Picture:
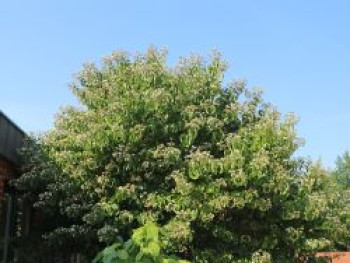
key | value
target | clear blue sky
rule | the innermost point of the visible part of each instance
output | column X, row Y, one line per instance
column 297, row 51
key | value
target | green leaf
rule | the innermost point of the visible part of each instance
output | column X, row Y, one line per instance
column 153, row 249
column 122, row 254
column 151, row 231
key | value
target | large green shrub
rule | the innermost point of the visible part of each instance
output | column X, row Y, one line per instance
column 209, row 162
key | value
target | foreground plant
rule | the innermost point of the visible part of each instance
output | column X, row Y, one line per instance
column 144, row 246
column 211, row 164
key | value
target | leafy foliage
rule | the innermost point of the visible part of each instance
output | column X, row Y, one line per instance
column 342, row 170
column 42, row 179
column 341, row 175
column 211, row 164
column 144, row 246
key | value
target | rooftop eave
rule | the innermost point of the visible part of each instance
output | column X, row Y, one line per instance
column 11, row 139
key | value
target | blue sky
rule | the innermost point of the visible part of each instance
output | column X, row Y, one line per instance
column 297, row 51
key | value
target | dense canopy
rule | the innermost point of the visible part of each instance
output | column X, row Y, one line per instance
column 210, row 163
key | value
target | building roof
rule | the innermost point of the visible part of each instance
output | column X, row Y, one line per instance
column 11, row 138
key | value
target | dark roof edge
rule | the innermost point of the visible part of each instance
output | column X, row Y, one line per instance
column 12, row 123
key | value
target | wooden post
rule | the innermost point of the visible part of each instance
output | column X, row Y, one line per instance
column 8, row 227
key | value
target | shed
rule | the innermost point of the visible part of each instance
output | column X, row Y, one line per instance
column 11, row 138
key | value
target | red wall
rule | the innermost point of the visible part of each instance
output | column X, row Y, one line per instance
column 337, row 257
column 7, row 171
